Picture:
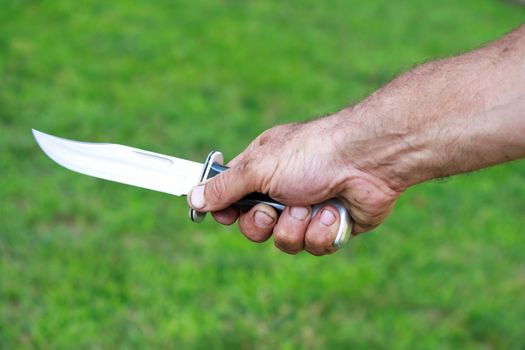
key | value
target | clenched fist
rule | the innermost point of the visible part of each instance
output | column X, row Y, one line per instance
column 298, row 165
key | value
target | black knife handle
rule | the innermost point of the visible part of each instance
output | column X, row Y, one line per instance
column 247, row 202
column 212, row 167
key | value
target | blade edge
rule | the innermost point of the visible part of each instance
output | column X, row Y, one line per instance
column 102, row 160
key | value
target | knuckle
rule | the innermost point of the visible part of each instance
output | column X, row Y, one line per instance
column 272, row 133
column 286, row 241
column 310, row 246
column 216, row 187
column 264, row 137
column 314, row 252
column 288, row 250
column 321, row 250
column 319, row 243
column 252, row 234
column 330, row 250
column 245, row 166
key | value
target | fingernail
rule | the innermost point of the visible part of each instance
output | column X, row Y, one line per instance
column 299, row 213
column 262, row 219
column 327, row 218
column 197, row 197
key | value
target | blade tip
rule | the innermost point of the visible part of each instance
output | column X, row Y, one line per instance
column 37, row 134
column 43, row 139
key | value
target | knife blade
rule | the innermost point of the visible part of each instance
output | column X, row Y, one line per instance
column 159, row 172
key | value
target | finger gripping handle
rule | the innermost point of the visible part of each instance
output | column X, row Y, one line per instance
column 213, row 168
column 247, row 202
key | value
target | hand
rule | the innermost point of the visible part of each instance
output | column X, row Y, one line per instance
column 298, row 165
column 440, row 119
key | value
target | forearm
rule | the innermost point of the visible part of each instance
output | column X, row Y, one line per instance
column 445, row 117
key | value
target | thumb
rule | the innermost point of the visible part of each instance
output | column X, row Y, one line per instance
column 222, row 190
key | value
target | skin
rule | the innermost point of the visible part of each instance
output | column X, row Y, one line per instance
column 441, row 118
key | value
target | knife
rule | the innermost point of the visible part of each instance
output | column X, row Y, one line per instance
column 161, row 173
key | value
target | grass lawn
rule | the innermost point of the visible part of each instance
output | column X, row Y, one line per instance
column 89, row 264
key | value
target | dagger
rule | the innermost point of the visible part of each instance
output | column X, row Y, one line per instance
column 159, row 172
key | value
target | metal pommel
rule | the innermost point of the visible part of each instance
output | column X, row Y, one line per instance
column 345, row 223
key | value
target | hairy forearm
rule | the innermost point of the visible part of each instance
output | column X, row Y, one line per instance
column 445, row 117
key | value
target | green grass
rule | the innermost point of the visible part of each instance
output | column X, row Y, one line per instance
column 88, row 264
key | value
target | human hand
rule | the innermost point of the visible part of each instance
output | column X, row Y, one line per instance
column 439, row 119
column 299, row 165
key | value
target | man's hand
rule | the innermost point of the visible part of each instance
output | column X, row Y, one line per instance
column 442, row 118
column 298, row 165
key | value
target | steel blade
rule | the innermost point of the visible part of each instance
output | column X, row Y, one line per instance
column 123, row 164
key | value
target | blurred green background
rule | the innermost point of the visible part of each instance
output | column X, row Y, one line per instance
column 89, row 264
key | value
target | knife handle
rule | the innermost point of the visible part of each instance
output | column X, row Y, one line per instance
column 213, row 168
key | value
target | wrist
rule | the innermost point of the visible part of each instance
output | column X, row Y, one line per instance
column 395, row 151
column 441, row 118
